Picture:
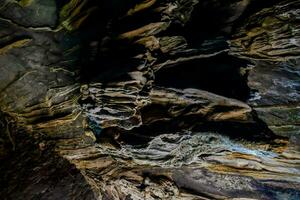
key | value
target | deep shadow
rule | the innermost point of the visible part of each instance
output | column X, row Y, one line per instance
column 30, row 172
column 219, row 74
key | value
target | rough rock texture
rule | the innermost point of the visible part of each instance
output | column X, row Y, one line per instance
column 147, row 99
column 271, row 39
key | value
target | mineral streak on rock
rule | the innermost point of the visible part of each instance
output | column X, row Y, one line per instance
column 148, row 99
column 271, row 40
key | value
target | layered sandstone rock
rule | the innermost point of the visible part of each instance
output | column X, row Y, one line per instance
column 148, row 99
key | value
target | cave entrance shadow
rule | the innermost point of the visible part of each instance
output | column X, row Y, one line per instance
column 220, row 74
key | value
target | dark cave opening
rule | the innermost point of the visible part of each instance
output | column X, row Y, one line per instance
column 99, row 62
column 199, row 28
column 157, row 121
column 141, row 136
column 220, row 74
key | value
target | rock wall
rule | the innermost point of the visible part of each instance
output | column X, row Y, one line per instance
column 148, row 99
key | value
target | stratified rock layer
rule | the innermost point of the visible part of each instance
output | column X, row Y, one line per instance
column 149, row 99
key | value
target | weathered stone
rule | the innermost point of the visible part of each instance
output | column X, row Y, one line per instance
column 149, row 99
column 271, row 34
column 270, row 39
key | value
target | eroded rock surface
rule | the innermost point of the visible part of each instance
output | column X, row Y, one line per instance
column 148, row 99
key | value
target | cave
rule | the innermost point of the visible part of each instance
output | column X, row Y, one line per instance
column 147, row 99
column 219, row 74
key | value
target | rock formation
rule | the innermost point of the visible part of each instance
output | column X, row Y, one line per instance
column 148, row 99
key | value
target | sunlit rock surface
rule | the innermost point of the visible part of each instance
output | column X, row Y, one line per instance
column 149, row 99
